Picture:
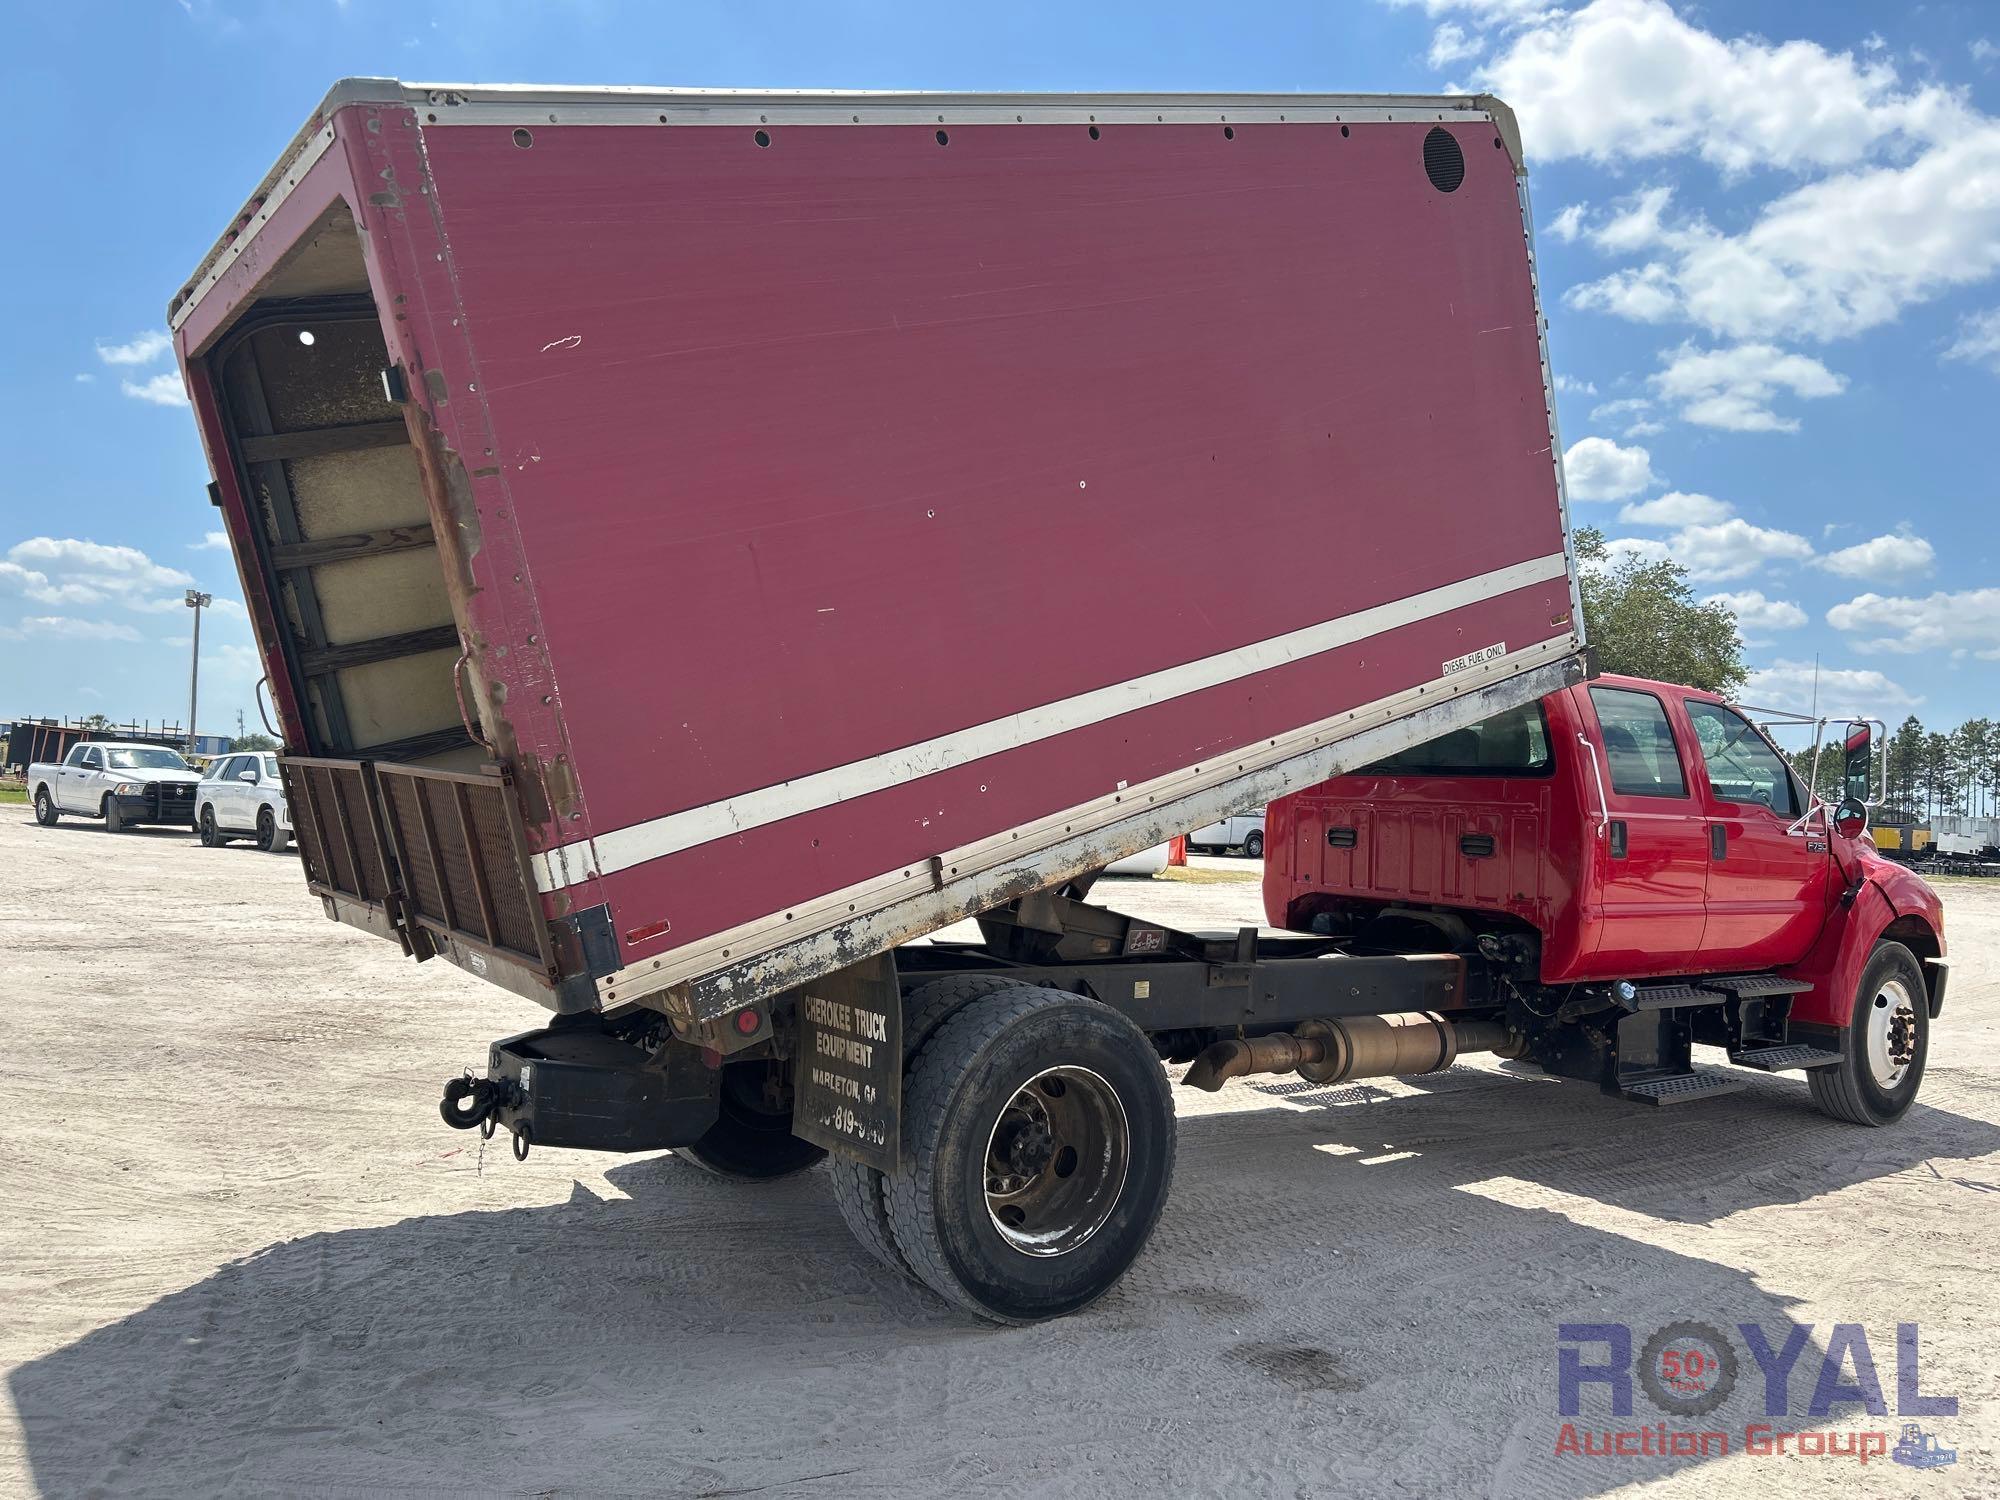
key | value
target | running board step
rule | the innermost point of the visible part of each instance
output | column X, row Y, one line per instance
column 1674, row 996
column 1682, row 1088
column 1757, row 986
column 1785, row 1058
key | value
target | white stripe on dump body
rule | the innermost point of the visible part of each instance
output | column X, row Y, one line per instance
column 638, row 843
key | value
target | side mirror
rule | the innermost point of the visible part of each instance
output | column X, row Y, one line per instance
column 249, row 776
column 1850, row 819
column 1858, row 766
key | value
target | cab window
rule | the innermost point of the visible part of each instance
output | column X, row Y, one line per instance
column 1639, row 749
column 222, row 770
column 92, row 759
column 1742, row 767
column 1515, row 743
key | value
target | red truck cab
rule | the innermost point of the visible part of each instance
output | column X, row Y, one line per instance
column 1627, row 830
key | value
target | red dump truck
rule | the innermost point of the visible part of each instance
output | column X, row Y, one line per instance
column 699, row 542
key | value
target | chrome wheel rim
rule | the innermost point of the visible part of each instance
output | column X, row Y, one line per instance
column 1892, row 1034
column 1056, row 1161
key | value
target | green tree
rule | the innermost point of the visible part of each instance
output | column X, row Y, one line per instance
column 253, row 742
column 1906, row 755
column 1643, row 620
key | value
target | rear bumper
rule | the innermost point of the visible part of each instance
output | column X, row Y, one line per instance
column 597, row 1083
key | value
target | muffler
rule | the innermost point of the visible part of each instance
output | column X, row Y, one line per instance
column 1334, row 1051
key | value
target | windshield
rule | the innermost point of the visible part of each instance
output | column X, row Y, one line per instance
column 144, row 760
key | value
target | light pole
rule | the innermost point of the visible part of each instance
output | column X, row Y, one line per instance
column 196, row 601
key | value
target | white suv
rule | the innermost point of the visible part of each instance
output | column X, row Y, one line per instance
column 243, row 794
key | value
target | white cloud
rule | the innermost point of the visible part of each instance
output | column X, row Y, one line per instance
column 1966, row 619
column 1486, row 11
column 1978, row 339
column 62, row 627
column 1452, row 43
column 1900, row 554
column 1676, row 508
column 140, row 349
column 1733, row 388
column 1645, row 295
column 1841, row 690
column 211, row 541
column 1630, row 412
column 1983, row 51
column 1629, row 79
column 1754, row 611
column 1734, row 548
column 68, row 572
column 67, row 554
column 163, row 389
column 1568, row 224
column 1569, row 385
column 84, row 377
column 1596, row 468
column 1646, row 549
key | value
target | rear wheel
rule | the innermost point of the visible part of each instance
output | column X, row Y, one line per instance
column 212, row 837
column 1038, row 1147
column 1887, row 1041
column 269, row 838
column 1253, row 847
column 751, row 1139
column 857, row 1189
column 45, row 808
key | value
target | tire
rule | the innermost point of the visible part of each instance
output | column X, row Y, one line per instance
column 1253, row 846
column 212, row 837
column 1877, row 1081
column 46, row 811
column 857, row 1189
column 114, row 820
column 269, row 839
column 1005, row 1092
column 750, row 1141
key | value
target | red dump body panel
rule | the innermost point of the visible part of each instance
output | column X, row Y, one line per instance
column 834, row 504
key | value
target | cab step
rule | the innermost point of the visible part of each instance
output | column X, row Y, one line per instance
column 1784, row 1058
column 1758, row 986
column 1674, row 996
column 1681, row 1088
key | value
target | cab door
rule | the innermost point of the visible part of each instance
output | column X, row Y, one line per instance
column 223, row 791
column 80, row 788
column 1766, row 895
column 1649, row 863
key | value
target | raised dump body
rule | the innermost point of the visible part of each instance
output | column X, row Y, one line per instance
column 698, row 540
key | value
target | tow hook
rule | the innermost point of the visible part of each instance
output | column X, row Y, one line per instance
column 470, row 1101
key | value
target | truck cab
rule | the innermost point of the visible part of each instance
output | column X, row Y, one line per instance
column 1617, row 831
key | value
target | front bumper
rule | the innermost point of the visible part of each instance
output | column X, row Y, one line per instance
column 162, row 802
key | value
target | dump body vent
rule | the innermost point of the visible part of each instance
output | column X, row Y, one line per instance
column 1444, row 162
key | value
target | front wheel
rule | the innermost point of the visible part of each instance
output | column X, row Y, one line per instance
column 751, row 1139
column 1038, row 1147
column 45, row 808
column 114, row 820
column 211, row 836
column 1886, row 1043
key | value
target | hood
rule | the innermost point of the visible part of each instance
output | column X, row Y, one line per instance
column 150, row 774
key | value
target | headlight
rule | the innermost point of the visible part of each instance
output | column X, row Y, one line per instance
column 129, row 789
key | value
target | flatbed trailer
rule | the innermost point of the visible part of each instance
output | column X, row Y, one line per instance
column 701, row 541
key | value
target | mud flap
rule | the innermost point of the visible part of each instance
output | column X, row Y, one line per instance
column 848, row 1083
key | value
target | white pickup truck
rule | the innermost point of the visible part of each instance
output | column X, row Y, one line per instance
column 123, row 784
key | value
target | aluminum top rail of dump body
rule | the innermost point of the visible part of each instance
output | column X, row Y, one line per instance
column 766, row 540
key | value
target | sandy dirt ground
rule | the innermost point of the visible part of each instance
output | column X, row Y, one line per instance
column 241, row 1255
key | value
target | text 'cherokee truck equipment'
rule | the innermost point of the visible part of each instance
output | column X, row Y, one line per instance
column 700, row 542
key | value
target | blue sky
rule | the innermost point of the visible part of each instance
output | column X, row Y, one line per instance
column 1770, row 240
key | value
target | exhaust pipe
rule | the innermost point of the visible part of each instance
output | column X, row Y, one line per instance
column 1335, row 1051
